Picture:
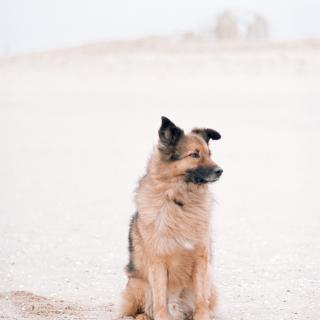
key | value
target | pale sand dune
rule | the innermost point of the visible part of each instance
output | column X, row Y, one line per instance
column 76, row 128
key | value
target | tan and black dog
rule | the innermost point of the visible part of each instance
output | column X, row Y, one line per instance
column 170, row 235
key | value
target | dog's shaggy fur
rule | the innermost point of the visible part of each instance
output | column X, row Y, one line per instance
column 169, row 237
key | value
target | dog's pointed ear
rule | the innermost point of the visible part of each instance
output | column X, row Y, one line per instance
column 169, row 133
column 207, row 134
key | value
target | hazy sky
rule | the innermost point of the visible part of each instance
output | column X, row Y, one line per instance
column 29, row 25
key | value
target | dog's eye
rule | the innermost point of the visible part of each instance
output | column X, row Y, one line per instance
column 195, row 155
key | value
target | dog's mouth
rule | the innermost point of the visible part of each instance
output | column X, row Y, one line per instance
column 211, row 180
column 200, row 180
column 202, row 175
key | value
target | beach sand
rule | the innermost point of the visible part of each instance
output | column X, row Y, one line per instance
column 76, row 129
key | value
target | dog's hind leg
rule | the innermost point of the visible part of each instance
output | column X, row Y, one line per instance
column 134, row 297
column 212, row 299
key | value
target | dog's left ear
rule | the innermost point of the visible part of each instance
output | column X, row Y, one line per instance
column 169, row 133
column 207, row 134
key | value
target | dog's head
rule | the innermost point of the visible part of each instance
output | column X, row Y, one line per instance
column 188, row 155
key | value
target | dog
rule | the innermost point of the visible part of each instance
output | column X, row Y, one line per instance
column 170, row 234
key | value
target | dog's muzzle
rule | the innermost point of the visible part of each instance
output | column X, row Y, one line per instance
column 203, row 175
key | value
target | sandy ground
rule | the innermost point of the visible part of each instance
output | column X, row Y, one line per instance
column 76, row 129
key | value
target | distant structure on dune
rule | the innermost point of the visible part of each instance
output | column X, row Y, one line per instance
column 240, row 24
column 226, row 27
column 258, row 29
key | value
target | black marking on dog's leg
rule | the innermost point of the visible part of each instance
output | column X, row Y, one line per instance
column 178, row 203
column 130, row 265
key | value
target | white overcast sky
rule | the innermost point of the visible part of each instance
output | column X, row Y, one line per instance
column 33, row 25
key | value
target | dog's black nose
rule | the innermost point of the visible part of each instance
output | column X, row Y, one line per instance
column 218, row 171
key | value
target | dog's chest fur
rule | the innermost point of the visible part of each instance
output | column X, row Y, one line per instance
column 173, row 216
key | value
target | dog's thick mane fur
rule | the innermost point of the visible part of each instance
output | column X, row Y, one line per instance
column 156, row 200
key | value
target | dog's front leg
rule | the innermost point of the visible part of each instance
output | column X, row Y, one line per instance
column 200, row 284
column 158, row 283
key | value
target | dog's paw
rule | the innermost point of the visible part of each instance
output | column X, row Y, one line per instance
column 202, row 314
column 175, row 311
column 161, row 315
column 161, row 318
column 142, row 316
